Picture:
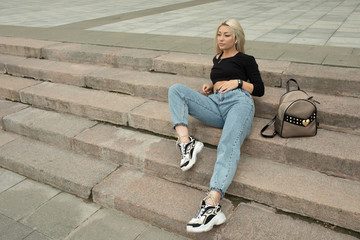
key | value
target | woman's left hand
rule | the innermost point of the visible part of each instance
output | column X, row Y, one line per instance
column 228, row 85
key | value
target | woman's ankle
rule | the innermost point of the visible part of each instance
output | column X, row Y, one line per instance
column 213, row 198
column 184, row 139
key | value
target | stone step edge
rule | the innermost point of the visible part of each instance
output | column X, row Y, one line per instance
column 52, row 165
column 154, row 117
column 40, row 128
column 332, row 118
column 110, row 196
column 154, row 165
column 194, row 65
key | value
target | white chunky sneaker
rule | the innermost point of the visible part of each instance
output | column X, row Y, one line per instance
column 206, row 218
column 188, row 153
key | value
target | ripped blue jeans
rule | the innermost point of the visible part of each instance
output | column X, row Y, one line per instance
column 232, row 111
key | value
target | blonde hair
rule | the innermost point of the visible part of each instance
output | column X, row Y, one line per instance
column 238, row 34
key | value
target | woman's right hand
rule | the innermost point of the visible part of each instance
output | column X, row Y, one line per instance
column 207, row 88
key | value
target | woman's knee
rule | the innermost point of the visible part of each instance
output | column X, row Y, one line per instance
column 176, row 88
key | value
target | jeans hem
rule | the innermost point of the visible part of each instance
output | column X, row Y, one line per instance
column 218, row 190
column 180, row 124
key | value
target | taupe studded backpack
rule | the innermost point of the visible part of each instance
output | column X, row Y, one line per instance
column 296, row 116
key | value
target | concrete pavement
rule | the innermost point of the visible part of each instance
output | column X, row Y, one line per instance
column 31, row 210
column 319, row 32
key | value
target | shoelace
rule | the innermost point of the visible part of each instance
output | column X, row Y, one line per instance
column 182, row 146
column 202, row 208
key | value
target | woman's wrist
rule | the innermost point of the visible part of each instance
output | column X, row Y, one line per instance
column 240, row 83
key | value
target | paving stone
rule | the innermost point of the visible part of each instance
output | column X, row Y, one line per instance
column 256, row 222
column 308, row 56
column 57, row 167
column 35, row 235
column 9, row 179
column 156, row 202
column 12, row 230
column 47, row 126
column 343, row 61
column 24, row 198
column 153, row 233
column 70, row 212
column 10, row 86
column 109, row 224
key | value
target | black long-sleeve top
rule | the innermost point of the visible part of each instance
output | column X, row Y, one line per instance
column 240, row 66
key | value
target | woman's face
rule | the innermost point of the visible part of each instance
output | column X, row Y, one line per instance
column 225, row 38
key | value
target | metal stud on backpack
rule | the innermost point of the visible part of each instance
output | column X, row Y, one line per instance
column 296, row 115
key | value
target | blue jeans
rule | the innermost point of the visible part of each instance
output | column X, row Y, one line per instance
column 232, row 111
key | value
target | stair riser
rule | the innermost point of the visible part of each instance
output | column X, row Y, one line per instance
column 157, row 120
column 300, row 206
column 83, row 77
column 40, row 162
column 342, row 81
column 120, row 155
column 158, row 202
column 159, row 156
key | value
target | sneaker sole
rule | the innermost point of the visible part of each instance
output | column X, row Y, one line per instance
column 217, row 220
column 198, row 147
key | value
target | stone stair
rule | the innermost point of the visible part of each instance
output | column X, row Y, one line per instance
column 94, row 121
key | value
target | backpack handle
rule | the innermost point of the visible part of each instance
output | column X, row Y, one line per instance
column 288, row 84
column 268, row 125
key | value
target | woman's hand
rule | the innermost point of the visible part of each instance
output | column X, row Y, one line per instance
column 228, row 85
column 207, row 88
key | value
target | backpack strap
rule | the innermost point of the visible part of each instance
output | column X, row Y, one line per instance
column 268, row 125
column 288, row 84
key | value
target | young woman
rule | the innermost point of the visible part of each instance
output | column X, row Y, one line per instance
column 225, row 103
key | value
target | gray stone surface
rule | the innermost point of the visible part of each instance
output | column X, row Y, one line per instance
column 10, row 86
column 61, row 215
column 157, row 201
column 7, row 107
column 35, row 235
column 324, row 31
column 47, row 126
column 115, row 144
column 256, row 222
column 99, row 105
column 150, row 85
column 23, row 47
column 9, row 179
column 57, row 167
column 12, row 230
column 316, row 195
column 64, row 216
column 24, row 198
column 327, row 79
column 112, row 225
column 6, row 137
column 60, row 72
